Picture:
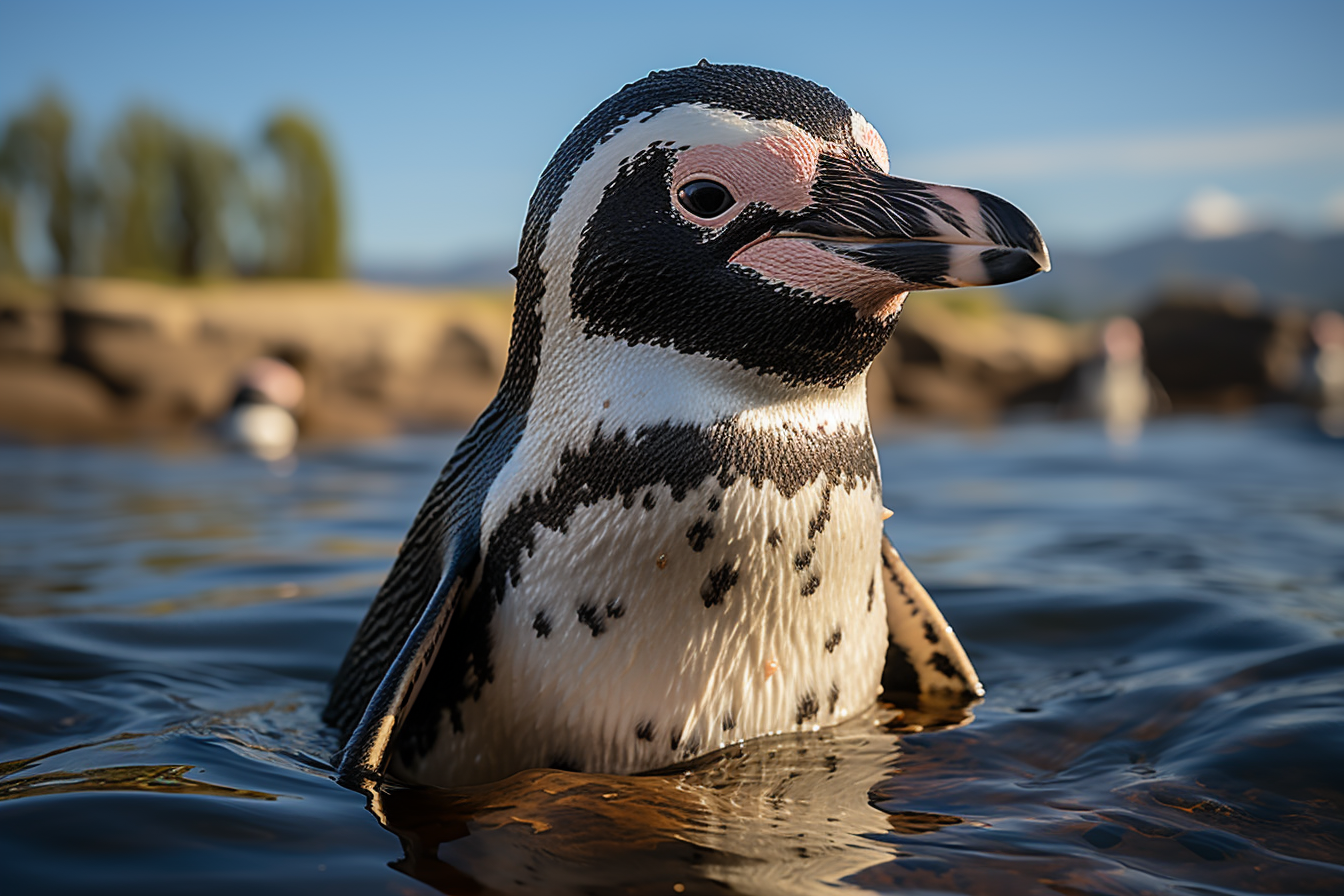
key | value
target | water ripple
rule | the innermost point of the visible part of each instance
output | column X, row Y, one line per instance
column 1161, row 635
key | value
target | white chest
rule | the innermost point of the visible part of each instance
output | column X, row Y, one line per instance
column 652, row 614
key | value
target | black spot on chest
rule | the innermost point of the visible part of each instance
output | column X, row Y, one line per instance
column 692, row 746
column 717, row 583
column 822, row 517
column 591, row 616
column 699, row 534
column 807, row 708
column 542, row 624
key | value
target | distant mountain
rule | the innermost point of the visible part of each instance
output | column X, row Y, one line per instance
column 1275, row 267
column 487, row 269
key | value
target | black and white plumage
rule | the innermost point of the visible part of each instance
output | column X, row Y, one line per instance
column 665, row 533
column 261, row 417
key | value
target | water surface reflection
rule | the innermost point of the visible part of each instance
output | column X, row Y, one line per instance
column 1160, row 636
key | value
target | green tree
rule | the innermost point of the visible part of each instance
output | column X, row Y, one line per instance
column 206, row 185
column 35, row 155
column 11, row 263
column 305, row 230
column 167, row 195
column 137, row 196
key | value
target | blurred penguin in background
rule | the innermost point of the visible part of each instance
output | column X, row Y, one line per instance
column 1117, row 386
column 1327, row 330
column 261, row 418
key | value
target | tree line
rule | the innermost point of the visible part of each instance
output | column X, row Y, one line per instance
column 161, row 200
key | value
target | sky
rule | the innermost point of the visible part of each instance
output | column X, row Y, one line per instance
column 1106, row 122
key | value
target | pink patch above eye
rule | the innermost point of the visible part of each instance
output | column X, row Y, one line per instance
column 775, row 170
column 802, row 264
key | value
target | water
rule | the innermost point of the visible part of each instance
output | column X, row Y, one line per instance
column 1161, row 635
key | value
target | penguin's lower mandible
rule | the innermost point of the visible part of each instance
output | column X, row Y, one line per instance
column 665, row 534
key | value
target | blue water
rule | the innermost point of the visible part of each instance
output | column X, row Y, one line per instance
column 1161, row 635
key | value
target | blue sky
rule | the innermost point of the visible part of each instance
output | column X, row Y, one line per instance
column 1102, row 121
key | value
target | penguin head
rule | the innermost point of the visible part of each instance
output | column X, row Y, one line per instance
column 748, row 216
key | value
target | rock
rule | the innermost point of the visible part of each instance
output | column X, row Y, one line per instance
column 166, row 358
column 1214, row 351
column 30, row 325
column 963, row 356
column 49, row 402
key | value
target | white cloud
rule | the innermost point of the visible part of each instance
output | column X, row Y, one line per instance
column 1334, row 210
column 1213, row 213
column 1214, row 150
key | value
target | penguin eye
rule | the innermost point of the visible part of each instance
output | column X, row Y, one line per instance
column 705, row 198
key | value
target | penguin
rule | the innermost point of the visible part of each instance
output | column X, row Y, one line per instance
column 260, row 419
column 1117, row 385
column 1327, row 372
column 665, row 533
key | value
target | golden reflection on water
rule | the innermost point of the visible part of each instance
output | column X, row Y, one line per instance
column 776, row 814
column 153, row 778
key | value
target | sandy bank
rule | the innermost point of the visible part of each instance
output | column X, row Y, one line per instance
column 108, row 359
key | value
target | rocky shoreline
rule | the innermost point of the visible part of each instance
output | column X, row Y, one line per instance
column 109, row 359
column 96, row 360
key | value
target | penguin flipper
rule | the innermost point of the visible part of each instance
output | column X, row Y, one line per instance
column 397, row 642
column 924, row 657
column 365, row 754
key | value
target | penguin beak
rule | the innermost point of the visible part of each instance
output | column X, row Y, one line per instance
column 927, row 235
